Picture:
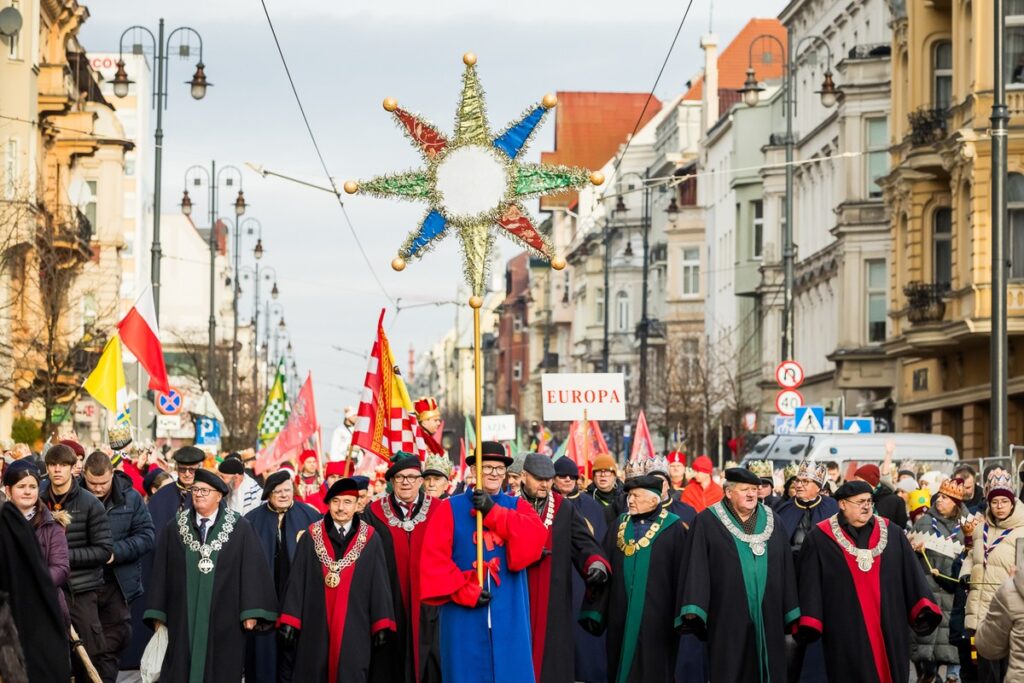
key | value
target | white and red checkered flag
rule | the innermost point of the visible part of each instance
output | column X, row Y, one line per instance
column 385, row 422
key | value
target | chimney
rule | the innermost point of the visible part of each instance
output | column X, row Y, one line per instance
column 709, row 103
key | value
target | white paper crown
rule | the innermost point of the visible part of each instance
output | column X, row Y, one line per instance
column 657, row 464
column 813, row 471
column 636, row 468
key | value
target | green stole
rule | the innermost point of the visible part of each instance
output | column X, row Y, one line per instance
column 635, row 568
column 755, row 577
column 199, row 593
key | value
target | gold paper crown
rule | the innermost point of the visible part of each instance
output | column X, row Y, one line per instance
column 790, row 470
column 953, row 488
column 729, row 464
column 426, row 408
column 762, row 468
column 999, row 480
column 657, row 464
column 120, row 435
column 636, row 468
column 811, row 470
column 438, row 463
column 918, row 499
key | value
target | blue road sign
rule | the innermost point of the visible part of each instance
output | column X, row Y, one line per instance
column 169, row 404
column 859, row 425
column 809, row 418
column 207, row 432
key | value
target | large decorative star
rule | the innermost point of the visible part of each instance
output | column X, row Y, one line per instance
column 475, row 181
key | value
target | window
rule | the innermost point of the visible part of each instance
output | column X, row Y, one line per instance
column 129, row 163
column 517, row 370
column 14, row 45
column 757, row 210
column 1014, row 36
column 11, row 168
column 942, row 247
column 942, row 73
column 517, row 323
column 622, row 311
column 691, row 347
column 89, row 203
column 691, row 271
column 1015, row 206
column 599, row 304
column 89, row 311
column 877, row 135
column 876, row 295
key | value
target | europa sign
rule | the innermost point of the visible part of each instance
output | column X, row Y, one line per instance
column 579, row 396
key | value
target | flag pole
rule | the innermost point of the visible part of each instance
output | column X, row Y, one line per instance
column 475, row 302
column 586, row 445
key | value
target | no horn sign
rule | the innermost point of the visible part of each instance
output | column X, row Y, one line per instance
column 566, row 395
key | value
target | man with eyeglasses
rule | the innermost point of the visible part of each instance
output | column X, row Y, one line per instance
column 861, row 566
column 168, row 501
column 400, row 519
column 210, row 587
column 513, row 539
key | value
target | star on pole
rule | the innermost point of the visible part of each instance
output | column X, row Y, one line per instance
column 475, row 182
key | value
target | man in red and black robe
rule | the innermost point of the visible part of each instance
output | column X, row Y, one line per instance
column 862, row 567
column 569, row 546
column 400, row 519
column 337, row 604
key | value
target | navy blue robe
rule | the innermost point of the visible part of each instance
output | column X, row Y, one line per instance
column 590, row 653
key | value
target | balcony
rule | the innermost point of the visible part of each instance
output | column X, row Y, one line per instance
column 925, row 302
column 68, row 241
column 927, row 126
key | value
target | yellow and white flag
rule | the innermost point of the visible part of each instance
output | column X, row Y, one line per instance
column 106, row 382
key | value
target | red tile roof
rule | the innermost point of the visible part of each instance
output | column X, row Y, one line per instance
column 589, row 127
column 735, row 58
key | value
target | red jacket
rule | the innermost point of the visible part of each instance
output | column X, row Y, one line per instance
column 700, row 498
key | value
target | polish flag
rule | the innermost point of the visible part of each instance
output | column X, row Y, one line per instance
column 139, row 332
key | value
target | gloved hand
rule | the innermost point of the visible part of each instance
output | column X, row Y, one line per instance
column 592, row 626
column 381, row 638
column 965, row 582
column 484, row 599
column 482, row 501
column 597, row 575
column 286, row 635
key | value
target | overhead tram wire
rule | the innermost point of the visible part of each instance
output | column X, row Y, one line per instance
column 323, row 164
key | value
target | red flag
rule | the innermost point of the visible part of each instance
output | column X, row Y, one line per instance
column 140, row 333
column 643, row 446
column 301, row 427
column 585, row 438
column 461, row 474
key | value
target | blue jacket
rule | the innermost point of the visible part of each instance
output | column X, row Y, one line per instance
column 132, row 529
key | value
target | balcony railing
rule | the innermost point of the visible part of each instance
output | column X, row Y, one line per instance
column 924, row 301
column 926, row 126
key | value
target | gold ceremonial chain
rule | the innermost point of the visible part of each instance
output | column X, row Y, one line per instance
column 757, row 542
column 205, row 550
column 549, row 516
column 865, row 557
column 334, row 567
column 406, row 524
column 629, row 548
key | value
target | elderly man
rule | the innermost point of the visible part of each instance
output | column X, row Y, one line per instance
column 279, row 522
column 513, row 538
column 739, row 588
column 400, row 519
column 570, row 546
column 766, row 491
column 165, row 504
column 246, row 493
column 646, row 548
column 437, row 476
column 210, row 585
column 606, row 488
column 702, row 491
column 337, row 606
column 861, row 567
column 514, row 477
column 659, row 467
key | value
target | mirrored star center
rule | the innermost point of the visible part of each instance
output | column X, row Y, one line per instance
column 472, row 181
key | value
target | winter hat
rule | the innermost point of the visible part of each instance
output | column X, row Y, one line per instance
column 869, row 473
column 999, row 483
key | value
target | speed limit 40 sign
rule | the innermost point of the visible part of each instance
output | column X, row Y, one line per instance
column 787, row 401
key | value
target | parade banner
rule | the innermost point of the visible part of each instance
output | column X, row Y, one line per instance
column 498, row 427
column 586, row 442
column 567, row 395
column 643, row 445
column 301, row 427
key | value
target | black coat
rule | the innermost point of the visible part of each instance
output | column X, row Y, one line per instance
column 891, row 506
column 132, row 530
column 89, row 540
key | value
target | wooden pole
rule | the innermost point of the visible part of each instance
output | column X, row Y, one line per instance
column 348, row 460
column 586, row 445
column 478, row 407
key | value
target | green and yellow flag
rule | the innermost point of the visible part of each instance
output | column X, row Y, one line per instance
column 274, row 415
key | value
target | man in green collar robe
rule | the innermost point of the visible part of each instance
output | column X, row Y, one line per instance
column 645, row 546
column 739, row 588
column 210, row 585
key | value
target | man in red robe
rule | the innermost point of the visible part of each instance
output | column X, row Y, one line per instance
column 337, row 605
column 702, row 492
column 400, row 519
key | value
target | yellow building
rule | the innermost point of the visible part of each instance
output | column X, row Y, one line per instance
column 938, row 196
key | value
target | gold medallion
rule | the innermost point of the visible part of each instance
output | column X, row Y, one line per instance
column 629, row 550
column 331, row 580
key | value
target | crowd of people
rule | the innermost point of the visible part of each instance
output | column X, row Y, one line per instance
column 671, row 570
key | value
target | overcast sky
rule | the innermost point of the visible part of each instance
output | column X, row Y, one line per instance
column 346, row 57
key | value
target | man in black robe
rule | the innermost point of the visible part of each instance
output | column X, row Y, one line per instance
column 739, row 586
column 279, row 523
column 210, row 585
column 646, row 546
column 569, row 547
column 337, row 606
column 861, row 567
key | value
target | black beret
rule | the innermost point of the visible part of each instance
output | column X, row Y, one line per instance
column 347, row 486
column 565, row 467
column 212, row 480
column 231, row 466
column 275, row 480
column 11, row 474
column 648, row 481
column 150, row 479
column 741, row 475
column 362, row 483
column 189, row 455
column 851, row 489
column 402, row 461
column 490, row 450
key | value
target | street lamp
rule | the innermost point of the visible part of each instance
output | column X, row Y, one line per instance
column 751, row 93
column 213, row 182
column 161, row 49
column 264, row 274
column 240, row 207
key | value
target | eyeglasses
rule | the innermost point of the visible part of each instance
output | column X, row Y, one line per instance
column 193, row 469
column 493, row 469
column 201, row 492
column 407, row 478
column 867, row 502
